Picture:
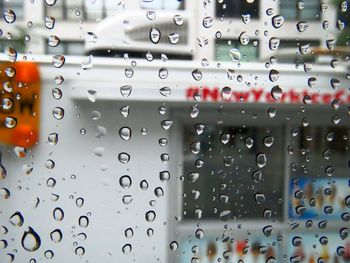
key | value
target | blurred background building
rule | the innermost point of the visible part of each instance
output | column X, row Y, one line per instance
column 324, row 21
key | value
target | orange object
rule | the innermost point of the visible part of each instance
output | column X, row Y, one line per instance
column 20, row 107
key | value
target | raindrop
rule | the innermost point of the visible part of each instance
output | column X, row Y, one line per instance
column 159, row 192
column 163, row 73
column 174, row 38
column 277, row 21
column 267, row 230
column 193, row 177
column 235, row 54
column 274, row 43
column 9, row 16
column 125, row 90
column 268, row 141
column 178, row 20
column 30, row 240
column 79, row 251
column 144, row 185
column 224, row 138
column 5, row 193
column 165, row 91
column 125, row 133
column 150, row 216
column 276, row 92
column 49, row 22
column 48, row 254
column 208, row 21
column 127, row 199
column 83, row 221
column 58, row 214
column 123, row 157
column 302, row 26
column 127, row 249
column 249, row 142
column 53, row 41
column 259, row 198
column 195, row 147
column 166, row 124
column 10, row 122
column 151, row 15
column 244, row 38
column 87, row 63
column 129, row 233
column 197, row 74
column 261, row 160
column 17, row 219
column 173, row 246
column 274, row 75
column 124, row 111
column 50, row 2
column 56, row 93
column 164, row 176
column 344, row 233
column 226, row 93
column 58, row 113
column 246, row 18
column 11, row 54
column 58, row 61
column 56, row 235
column 154, row 35
column 129, row 72
column 125, row 181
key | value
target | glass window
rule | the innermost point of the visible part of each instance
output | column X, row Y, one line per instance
column 237, row 8
column 296, row 10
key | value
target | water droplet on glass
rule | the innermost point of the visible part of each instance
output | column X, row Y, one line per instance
column 127, row 249
column 164, row 176
column 261, row 160
column 9, row 16
column 58, row 113
column 125, row 90
column 235, row 54
column 154, row 35
column 30, row 240
column 226, row 93
column 197, row 74
column 150, row 216
column 249, row 142
column 165, row 91
column 268, row 141
column 274, row 43
column 53, row 41
column 123, row 157
column 267, row 230
column 173, row 246
column 58, row 214
column 166, row 124
column 10, row 122
column 50, row 2
column 302, row 26
column 208, row 21
column 246, row 18
column 277, row 21
column 125, row 181
column 144, row 185
column 163, row 73
column 274, row 75
column 17, row 219
column 11, row 54
column 174, row 38
column 56, row 235
column 129, row 233
column 244, row 38
column 276, row 92
column 58, row 61
column 49, row 22
column 178, row 20
column 79, row 251
column 125, row 133
column 83, row 221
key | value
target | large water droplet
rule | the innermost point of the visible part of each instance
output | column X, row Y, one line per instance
column 150, row 216
column 56, row 235
column 58, row 214
column 276, row 92
column 83, row 221
column 154, row 35
column 125, row 181
column 277, row 21
column 9, row 16
column 31, row 240
column 49, row 22
column 123, row 157
column 125, row 90
column 58, row 61
column 58, row 113
column 53, row 41
column 125, row 133
column 261, row 160
column 235, row 54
